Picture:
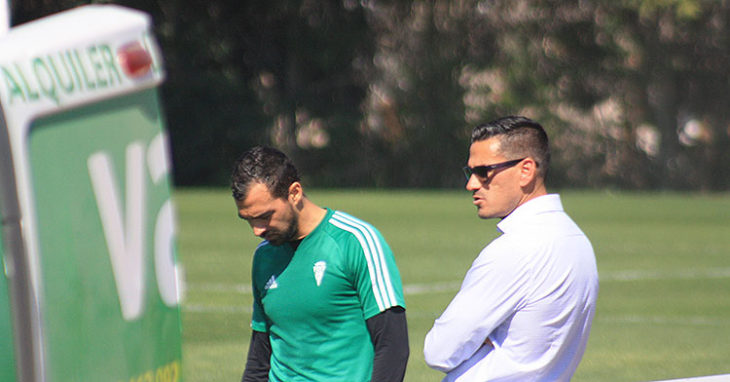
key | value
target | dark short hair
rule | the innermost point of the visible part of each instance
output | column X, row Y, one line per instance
column 265, row 165
column 518, row 137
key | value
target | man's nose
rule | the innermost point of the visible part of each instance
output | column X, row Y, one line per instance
column 473, row 183
column 259, row 230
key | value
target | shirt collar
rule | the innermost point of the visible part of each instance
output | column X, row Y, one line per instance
column 541, row 204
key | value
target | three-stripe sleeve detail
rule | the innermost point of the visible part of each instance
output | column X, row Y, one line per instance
column 374, row 256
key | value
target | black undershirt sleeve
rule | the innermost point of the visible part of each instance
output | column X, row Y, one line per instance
column 259, row 356
column 389, row 334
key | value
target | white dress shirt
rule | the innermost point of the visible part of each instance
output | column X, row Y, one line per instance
column 531, row 292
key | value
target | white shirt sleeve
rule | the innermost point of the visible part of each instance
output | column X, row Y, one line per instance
column 493, row 289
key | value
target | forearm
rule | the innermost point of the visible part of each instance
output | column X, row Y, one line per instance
column 462, row 329
column 389, row 334
column 259, row 356
column 445, row 350
column 492, row 291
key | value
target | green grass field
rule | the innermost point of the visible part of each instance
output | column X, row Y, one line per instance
column 663, row 259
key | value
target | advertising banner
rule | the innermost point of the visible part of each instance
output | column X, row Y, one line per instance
column 92, row 293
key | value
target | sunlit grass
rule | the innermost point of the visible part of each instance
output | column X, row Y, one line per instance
column 663, row 309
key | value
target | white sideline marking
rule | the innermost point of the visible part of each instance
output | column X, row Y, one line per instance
column 217, row 309
column 446, row 286
column 416, row 289
column 452, row 286
column 629, row 319
column 664, row 320
column 684, row 274
column 219, row 287
column 711, row 378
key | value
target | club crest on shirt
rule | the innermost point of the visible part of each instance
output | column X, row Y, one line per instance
column 271, row 284
column 319, row 268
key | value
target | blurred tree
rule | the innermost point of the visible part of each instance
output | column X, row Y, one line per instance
column 281, row 72
column 415, row 113
column 210, row 111
column 633, row 89
column 385, row 92
column 23, row 11
column 307, row 59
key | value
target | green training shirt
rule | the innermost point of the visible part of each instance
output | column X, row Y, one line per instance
column 313, row 301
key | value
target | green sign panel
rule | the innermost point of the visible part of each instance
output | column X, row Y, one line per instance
column 106, row 227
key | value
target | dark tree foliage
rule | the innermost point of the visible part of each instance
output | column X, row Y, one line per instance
column 384, row 93
column 242, row 73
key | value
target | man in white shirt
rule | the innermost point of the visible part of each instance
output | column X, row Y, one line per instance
column 525, row 307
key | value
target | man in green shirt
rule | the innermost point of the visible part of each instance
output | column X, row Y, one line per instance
column 328, row 299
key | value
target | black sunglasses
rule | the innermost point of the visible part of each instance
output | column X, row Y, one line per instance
column 483, row 171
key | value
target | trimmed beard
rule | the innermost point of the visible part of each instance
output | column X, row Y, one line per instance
column 287, row 235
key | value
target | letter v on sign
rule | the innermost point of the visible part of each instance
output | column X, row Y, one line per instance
column 124, row 232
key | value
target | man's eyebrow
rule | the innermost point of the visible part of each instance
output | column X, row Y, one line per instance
column 262, row 215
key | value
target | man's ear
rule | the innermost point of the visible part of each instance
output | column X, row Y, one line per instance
column 296, row 193
column 528, row 172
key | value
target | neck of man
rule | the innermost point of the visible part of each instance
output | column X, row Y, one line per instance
column 538, row 190
column 310, row 215
column 532, row 191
